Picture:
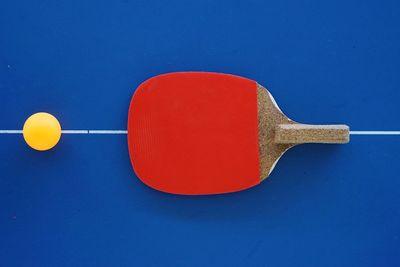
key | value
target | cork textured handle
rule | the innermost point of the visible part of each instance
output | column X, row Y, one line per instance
column 304, row 133
column 277, row 133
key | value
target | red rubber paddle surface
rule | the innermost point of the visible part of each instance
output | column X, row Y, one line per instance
column 195, row 133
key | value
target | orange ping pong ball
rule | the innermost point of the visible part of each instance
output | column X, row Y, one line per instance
column 42, row 131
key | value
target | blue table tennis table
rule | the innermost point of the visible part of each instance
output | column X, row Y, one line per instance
column 81, row 204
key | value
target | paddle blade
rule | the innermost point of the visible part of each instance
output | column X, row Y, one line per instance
column 195, row 133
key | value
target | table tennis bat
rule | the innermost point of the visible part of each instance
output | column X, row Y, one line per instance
column 198, row 133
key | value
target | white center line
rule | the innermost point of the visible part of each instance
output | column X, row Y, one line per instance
column 375, row 132
column 126, row 132
column 108, row 131
column 10, row 131
column 74, row 131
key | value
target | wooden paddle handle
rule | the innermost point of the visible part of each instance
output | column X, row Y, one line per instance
column 304, row 133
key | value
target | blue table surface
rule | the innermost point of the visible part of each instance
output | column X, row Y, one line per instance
column 81, row 204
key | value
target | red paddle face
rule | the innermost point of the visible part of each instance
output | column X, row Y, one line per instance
column 195, row 133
